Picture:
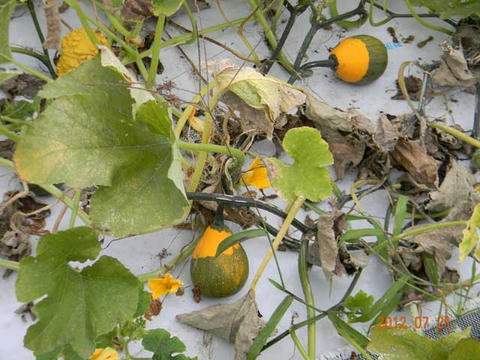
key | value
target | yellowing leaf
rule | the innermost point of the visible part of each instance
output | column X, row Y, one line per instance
column 470, row 235
column 257, row 175
column 260, row 99
column 163, row 286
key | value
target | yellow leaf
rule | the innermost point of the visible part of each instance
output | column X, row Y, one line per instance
column 256, row 175
column 163, row 286
column 105, row 354
column 77, row 48
column 470, row 235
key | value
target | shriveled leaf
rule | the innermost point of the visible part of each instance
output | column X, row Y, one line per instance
column 307, row 176
column 79, row 305
column 54, row 30
column 23, row 84
column 88, row 136
column 386, row 135
column 457, row 186
column 470, row 235
column 238, row 323
column 6, row 9
column 327, row 243
column 261, row 98
column 163, row 346
column 413, row 158
column 453, row 69
column 326, row 115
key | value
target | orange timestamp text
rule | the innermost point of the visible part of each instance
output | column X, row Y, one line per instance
column 419, row 322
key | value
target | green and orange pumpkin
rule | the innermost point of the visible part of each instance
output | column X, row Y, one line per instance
column 219, row 276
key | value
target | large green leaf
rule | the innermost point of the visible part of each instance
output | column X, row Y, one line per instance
column 163, row 346
column 80, row 305
column 6, row 9
column 466, row 349
column 451, row 8
column 307, row 176
column 88, row 136
column 404, row 344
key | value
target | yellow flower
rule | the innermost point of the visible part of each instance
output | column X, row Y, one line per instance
column 165, row 285
column 256, row 175
column 105, row 354
column 77, row 48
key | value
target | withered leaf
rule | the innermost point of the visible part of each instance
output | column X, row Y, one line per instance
column 413, row 158
column 238, row 323
column 457, row 186
column 327, row 243
column 453, row 69
column 386, row 135
column 54, row 29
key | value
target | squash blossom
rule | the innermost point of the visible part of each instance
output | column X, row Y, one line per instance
column 256, row 175
column 105, row 354
column 77, row 48
column 165, row 285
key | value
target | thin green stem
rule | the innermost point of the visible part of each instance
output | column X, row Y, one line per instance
column 6, row 132
column 76, row 206
column 456, row 133
column 425, row 23
column 156, row 51
column 34, row 54
column 414, row 315
column 276, row 17
column 185, row 253
column 26, row 68
column 307, row 291
column 84, row 21
column 298, row 344
column 116, row 24
column 54, row 191
column 9, row 264
column 46, row 56
column 193, row 22
column 235, row 153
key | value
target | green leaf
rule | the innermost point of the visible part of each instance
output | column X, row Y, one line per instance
column 361, row 302
column 307, row 176
column 80, row 304
column 21, row 110
column 166, row 7
column 466, row 349
column 88, row 136
column 470, row 235
column 163, row 346
column 400, row 212
column 5, row 75
column 451, row 8
column 358, row 340
column 6, row 9
column 404, row 344
column 239, row 237
column 270, row 326
column 356, row 234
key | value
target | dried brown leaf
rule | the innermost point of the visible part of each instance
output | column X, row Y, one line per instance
column 238, row 323
column 453, row 69
column 413, row 158
column 327, row 243
column 457, row 186
column 54, row 29
column 386, row 135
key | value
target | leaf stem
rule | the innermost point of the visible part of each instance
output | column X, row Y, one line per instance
column 237, row 154
column 76, row 206
column 9, row 264
column 307, row 291
column 156, row 51
column 424, row 23
column 6, row 132
column 298, row 344
column 296, row 206
column 26, row 68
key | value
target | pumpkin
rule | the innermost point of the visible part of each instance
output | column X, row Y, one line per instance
column 359, row 59
column 219, row 276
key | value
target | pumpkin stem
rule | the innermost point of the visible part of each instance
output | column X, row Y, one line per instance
column 218, row 221
column 331, row 62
